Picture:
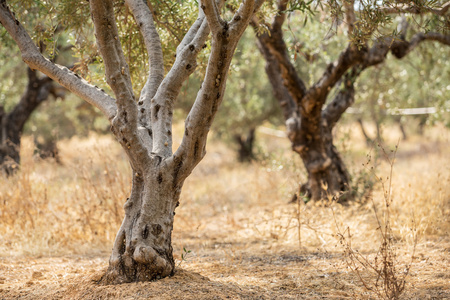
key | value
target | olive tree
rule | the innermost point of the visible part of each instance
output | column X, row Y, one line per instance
column 142, row 249
column 12, row 123
column 310, row 119
column 37, row 89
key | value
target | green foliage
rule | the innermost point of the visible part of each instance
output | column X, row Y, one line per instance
column 13, row 79
column 46, row 20
column 184, row 256
column 300, row 5
column 418, row 80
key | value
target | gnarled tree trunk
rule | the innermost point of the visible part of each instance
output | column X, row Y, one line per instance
column 11, row 124
column 313, row 141
column 309, row 129
column 142, row 250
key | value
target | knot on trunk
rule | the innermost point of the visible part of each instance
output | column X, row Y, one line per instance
column 156, row 229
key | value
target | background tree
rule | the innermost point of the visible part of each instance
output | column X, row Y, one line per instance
column 12, row 123
column 37, row 89
column 309, row 121
column 142, row 250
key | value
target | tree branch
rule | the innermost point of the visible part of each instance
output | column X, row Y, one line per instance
column 212, row 14
column 352, row 55
column 274, row 43
column 438, row 37
column 192, row 32
column 414, row 9
column 163, row 102
column 343, row 100
column 125, row 123
column 401, row 48
column 376, row 55
column 210, row 95
column 281, row 93
column 273, row 72
column 350, row 15
column 144, row 19
column 117, row 71
column 243, row 14
column 68, row 79
column 318, row 93
column 280, row 17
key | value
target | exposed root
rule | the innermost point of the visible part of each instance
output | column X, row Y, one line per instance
column 147, row 264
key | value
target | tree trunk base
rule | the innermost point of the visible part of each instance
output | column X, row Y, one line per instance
column 142, row 249
column 147, row 265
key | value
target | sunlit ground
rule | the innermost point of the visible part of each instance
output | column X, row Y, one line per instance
column 237, row 233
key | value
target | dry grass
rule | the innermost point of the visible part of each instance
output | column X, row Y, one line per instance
column 60, row 221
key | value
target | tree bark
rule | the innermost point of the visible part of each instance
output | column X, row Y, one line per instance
column 245, row 146
column 142, row 250
column 329, row 179
column 11, row 124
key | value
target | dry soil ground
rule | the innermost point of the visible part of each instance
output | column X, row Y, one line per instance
column 244, row 240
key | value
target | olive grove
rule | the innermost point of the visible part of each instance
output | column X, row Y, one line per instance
column 142, row 249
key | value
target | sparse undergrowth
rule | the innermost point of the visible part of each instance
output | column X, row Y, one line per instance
column 234, row 219
column 385, row 277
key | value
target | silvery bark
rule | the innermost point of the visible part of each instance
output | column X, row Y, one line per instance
column 142, row 249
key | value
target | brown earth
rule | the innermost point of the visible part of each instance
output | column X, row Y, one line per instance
column 242, row 239
column 248, row 275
